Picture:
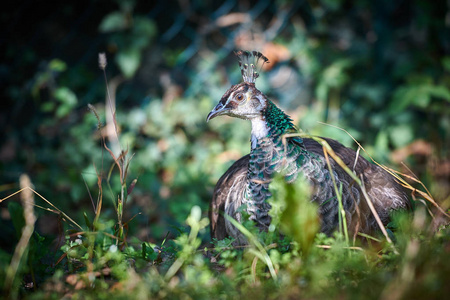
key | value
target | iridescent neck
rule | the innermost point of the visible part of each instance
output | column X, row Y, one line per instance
column 277, row 121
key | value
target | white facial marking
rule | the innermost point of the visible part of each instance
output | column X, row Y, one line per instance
column 262, row 102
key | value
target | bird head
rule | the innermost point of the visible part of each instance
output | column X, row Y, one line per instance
column 243, row 100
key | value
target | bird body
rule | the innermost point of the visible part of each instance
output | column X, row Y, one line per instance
column 272, row 152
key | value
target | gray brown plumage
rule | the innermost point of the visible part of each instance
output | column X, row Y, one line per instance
column 384, row 191
column 247, row 181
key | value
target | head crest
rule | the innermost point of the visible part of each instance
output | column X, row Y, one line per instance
column 248, row 62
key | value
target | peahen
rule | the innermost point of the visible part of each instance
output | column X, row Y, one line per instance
column 247, row 180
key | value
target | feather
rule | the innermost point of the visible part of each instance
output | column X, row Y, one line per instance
column 249, row 63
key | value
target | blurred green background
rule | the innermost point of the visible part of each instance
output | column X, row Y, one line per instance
column 378, row 69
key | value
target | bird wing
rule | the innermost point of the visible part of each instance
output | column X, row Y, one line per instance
column 347, row 155
column 383, row 189
column 385, row 192
column 237, row 171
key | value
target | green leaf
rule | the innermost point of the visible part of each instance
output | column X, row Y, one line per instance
column 68, row 101
column 128, row 61
column 57, row 65
column 144, row 27
column 86, row 220
column 115, row 21
column 401, row 135
column 335, row 75
column 440, row 91
column 382, row 142
column 257, row 248
column 299, row 218
column 65, row 96
column 420, row 96
column 402, row 97
column 48, row 106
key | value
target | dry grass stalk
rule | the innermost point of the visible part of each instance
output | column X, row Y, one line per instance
column 27, row 200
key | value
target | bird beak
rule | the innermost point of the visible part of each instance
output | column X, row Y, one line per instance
column 220, row 109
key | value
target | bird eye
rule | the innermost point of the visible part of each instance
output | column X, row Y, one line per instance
column 240, row 97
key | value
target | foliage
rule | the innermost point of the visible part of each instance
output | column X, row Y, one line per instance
column 94, row 267
column 379, row 69
column 298, row 218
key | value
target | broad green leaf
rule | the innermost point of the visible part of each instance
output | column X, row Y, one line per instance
column 128, row 61
column 144, row 27
column 401, row 135
column 48, row 106
column 68, row 101
column 66, row 96
column 440, row 91
column 294, row 211
column 57, row 65
column 115, row 21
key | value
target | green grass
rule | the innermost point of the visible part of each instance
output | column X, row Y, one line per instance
column 92, row 266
